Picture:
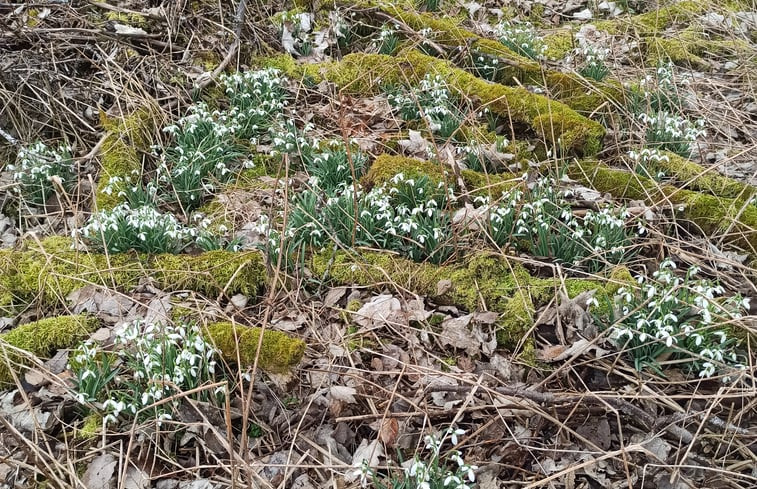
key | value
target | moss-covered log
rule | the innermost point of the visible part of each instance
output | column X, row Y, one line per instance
column 49, row 270
column 41, row 339
column 363, row 74
column 578, row 93
column 656, row 20
column 483, row 282
column 711, row 214
column 239, row 345
column 385, row 167
column 693, row 176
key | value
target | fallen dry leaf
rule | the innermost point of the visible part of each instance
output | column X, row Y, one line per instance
column 100, row 473
column 381, row 309
column 389, row 431
column 343, row 393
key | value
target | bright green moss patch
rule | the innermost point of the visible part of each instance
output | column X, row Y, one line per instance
column 42, row 339
column 49, row 271
column 709, row 213
column 91, row 427
column 559, row 43
column 132, row 19
column 385, row 167
column 482, row 282
column 239, row 345
column 119, row 154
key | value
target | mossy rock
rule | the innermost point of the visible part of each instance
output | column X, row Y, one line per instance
column 125, row 137
column 710, row 214
column 41, row 339
column 50, row 270
column 386, row 167
column 483, row 282
column 239, row 345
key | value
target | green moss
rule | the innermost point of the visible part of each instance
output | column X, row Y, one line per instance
column 49, row 271
column 517, row 318
column 41, row 339
column 688, row 47
column 693, row 176
column 212, row 272
column 130, row 18
column 239, row 345
column 710, row 214
column 124, row 138
column 559, row 43
column 514, row 68
column 657, row 19
column 492, row 185
column 620, row 277
column 385, row 167
column 354, row 305
column 91, row 427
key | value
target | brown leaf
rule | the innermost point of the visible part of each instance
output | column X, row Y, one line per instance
column 456, row 332
column 389, row 431
column 549, row 353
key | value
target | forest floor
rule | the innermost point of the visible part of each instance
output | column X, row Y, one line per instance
column 382, row 244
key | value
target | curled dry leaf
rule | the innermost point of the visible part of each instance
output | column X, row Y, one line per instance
column 343, row 393
column 381, row 309
column 388, row 431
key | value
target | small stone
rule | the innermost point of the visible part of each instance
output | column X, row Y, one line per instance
column 584, row 14
column 730, row 65
column 239, row 301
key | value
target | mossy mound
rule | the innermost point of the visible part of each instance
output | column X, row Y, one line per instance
column 386, row 167
column 483, row 282
column 239, row 345
column 41, row 339
column 49, row 270
column 709, row 213
column 125, row 137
